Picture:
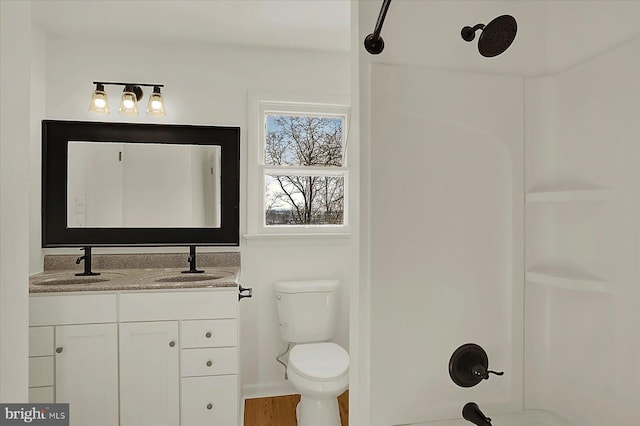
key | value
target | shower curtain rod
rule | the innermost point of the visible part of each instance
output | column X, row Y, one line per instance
column 373, row 42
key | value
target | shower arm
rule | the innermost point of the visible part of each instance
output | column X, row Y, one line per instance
column 373, row 42
column 469, row 33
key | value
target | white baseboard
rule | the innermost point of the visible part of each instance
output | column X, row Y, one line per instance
column 263, row 390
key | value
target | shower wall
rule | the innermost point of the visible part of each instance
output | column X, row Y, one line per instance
column 446, row 239
column 437, row 210
column 582, row 155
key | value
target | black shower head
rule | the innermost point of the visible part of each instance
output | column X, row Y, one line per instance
column 496, row 36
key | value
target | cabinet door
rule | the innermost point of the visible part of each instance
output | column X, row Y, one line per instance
column 149, row 374
column 87, row 373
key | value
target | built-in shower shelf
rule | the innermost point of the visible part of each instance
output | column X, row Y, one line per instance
column 568, row 196
column 568, row 281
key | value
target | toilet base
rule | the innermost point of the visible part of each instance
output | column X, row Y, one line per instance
column 318, row 412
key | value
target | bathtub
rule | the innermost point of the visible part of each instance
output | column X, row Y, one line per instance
column 521, row 418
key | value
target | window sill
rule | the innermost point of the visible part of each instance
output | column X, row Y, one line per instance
column 324, row 238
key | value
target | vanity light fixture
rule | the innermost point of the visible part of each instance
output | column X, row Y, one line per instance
column 129, row 101
column 131, row 95
column 99, row 101
column 156, row 103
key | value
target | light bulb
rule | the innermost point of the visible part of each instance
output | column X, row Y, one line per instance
column 128, row 102
column 155, row 106
column 99, row 103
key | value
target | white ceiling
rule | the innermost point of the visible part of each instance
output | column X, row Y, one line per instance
column 304, row 24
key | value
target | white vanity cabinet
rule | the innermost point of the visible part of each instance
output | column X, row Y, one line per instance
column 77, row 338
column 149, row 373
column 209, row 368
column 41, row 365
column 87, row 373
column 138, row 358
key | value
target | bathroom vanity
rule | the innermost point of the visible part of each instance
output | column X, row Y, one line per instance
column 142, row 343
column 137, row 346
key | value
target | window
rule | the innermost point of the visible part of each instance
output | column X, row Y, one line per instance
column 302, row 168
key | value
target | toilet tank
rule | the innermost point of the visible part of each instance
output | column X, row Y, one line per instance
column 307, row 310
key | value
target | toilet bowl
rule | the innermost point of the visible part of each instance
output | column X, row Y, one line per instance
column 320, row 373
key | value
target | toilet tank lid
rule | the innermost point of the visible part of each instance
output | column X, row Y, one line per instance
column 306, row 286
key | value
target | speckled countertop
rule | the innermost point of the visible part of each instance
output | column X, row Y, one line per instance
column 136, row 272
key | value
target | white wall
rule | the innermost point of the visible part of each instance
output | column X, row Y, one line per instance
column 427, row 33
column 583, row 127
column 208, row 85
column 37, row 104
column 15, row 128
column 579, row 30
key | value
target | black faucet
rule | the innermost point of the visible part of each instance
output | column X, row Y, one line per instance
column 472, row 413
column 87, row 263
column 192, row 262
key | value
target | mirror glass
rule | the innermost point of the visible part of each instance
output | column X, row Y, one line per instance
column 123, row 184
column 129, row 185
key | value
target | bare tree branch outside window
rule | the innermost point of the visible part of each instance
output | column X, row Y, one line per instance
column 304, row 141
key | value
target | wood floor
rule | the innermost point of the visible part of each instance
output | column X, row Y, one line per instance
column 281, row 410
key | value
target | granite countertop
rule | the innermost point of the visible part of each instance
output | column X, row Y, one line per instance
column 136, row 272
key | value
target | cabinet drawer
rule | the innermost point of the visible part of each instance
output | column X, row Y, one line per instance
column 40, row 341
column 41, row 371
column 42, row 395
column 208, row 362
column 72, row 309
column 208, row 334
column 209, row 401
column 179, row 305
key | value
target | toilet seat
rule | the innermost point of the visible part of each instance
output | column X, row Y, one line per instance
column 319, row 361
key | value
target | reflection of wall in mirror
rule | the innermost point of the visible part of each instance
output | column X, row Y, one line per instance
column 157, row 190
column 143, row 185
column 94, row 185
column 211, row 179
column 205, row 181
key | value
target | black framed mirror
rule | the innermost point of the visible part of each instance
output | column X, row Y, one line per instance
column 123, row 184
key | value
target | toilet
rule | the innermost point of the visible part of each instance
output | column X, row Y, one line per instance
column 317, row 369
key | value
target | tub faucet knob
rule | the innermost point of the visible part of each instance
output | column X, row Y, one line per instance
column 479, row 371
column 469, row 365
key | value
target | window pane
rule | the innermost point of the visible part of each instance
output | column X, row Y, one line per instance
column 303, row 140
column 304, row 200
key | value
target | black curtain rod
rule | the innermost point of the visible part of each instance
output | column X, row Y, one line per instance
column 373, row 42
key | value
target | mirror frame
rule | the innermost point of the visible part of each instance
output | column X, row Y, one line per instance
column 56, row 136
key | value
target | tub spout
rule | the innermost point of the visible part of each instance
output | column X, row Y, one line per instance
column 472, row 413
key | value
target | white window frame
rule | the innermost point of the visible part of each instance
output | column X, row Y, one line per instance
column 259, row 107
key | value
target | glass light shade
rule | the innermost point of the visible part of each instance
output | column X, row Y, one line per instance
column 99, row 103
column 128, row 103
column 156, row 105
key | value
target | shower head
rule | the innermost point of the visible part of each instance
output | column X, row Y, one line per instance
column 496, row 36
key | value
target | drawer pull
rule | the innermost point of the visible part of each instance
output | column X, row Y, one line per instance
column 59, row 350
column 208, row 335
column 209, row 406
column 209, row 363
column 172, row 344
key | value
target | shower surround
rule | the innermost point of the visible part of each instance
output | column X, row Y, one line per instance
column 512, row 185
